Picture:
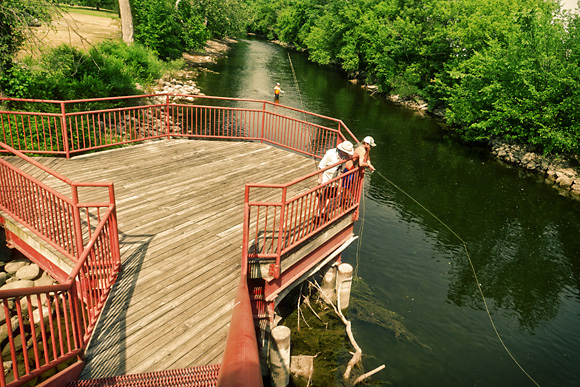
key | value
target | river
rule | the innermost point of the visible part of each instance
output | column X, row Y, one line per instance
column 522, row 238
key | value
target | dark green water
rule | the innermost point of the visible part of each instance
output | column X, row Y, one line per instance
column 522, row 237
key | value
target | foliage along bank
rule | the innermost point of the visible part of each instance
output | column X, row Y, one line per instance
column 164, row 30
column 499, row 68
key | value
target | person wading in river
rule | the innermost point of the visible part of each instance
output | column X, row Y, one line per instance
column 277, row 92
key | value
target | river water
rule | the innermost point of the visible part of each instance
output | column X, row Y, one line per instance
column 522, row 238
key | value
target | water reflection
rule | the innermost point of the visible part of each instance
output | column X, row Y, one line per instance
column 521, row 235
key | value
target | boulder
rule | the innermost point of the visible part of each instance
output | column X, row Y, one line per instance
column 28, row 272
column 569, row 172
column 44, row 280
column 18, row 285
column 564, row 181
column 45, row 315
column 12, row 267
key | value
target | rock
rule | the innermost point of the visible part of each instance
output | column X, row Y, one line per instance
column 17, row 346
column 551, row 175
column 44, row 280
column 24, row 306
column 45, row 314
column 544, row 164
column 527, row 158
column 3, row 278
column 29, row 272
column 569, row 172
column 564, row 181
column 575, row 193
column 12, row 267
column 7, row 366
column 302, row 366
column 18, row 285
column 3, row 332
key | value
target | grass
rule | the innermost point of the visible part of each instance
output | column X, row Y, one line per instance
column 89, row 11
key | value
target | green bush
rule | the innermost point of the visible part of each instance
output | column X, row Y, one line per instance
column 109, row 69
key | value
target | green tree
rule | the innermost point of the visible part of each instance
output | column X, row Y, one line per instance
column 15, row 18
column 171, row 27
column 521, row 87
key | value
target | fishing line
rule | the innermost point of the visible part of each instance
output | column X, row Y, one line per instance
column 296, row 82
column 472, row 269
column 360, row 233
column 302, row 104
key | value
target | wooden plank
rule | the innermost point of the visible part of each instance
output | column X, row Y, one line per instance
column 180, row 213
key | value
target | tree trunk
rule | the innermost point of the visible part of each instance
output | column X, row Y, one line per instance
column 126, row 21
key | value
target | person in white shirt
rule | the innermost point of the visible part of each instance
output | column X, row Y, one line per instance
column 333, row 156
column 343, row 151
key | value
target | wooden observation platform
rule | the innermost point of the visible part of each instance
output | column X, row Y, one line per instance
column 171, row 250
column 180, row 215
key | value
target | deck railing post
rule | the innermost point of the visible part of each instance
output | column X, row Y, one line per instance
column 281, row 233
column 77, row 222
column 263, row 121
column 64, row 129
column 167, row 116
column 246, row 230
column 114, row 234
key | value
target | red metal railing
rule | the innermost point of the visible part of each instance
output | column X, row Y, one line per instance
column 80, row 129
column 50, row 325
column 280, row 218
column 272, row 228
column 47, row 326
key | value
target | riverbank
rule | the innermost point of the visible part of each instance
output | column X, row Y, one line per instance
column 557, row 171
column 560, row 173
column 182, row 82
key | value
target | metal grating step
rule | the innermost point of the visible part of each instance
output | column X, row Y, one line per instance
column 204, row 376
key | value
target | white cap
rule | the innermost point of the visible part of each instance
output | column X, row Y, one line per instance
column 346, row 147
column 369, row 140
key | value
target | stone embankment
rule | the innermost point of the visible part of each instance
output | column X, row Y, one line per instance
column 182, row 83
column 15, row 273
column 557, row 172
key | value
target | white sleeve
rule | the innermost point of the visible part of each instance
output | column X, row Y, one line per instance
column 324, row 162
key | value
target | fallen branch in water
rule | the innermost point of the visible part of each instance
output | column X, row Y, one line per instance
column 364, row 376
column 307, row 302
column 357, row 355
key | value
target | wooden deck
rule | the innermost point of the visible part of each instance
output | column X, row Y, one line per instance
column 180, row 213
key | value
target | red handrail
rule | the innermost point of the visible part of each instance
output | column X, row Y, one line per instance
column 69, row 312
column 241, row 361
column 78, row 302
column 65, row 315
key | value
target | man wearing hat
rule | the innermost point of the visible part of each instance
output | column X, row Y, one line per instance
column 343, row 151
column 277, row 91
column 361, row 154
